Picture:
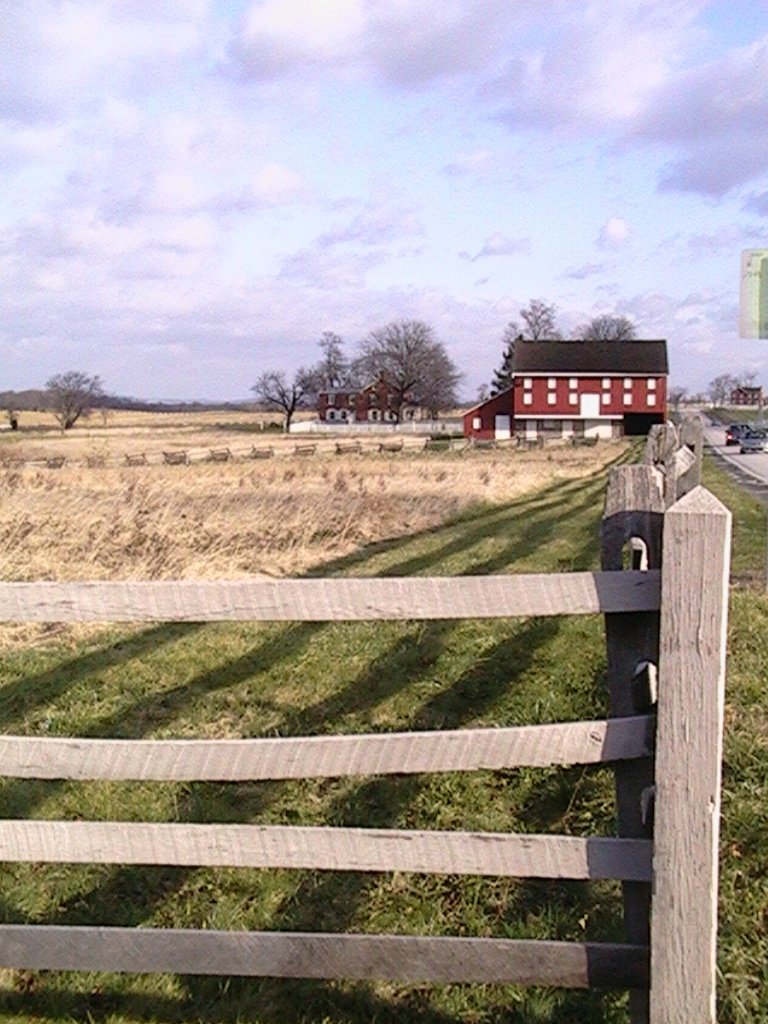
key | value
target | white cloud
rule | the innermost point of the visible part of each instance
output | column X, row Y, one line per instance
column 403, row 42
column 380, row 221
column 584, row 271
column 476, row 162
column 613, row 234
column 499, row 244
column 58, row 56
column 275, row 185
column 715, row 115
column 598, row 65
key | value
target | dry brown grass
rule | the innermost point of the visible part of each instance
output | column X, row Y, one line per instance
column 280, row 516
column 223, row 520
column 112, row 436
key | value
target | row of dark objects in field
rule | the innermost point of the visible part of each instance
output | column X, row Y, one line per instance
column 303, row 450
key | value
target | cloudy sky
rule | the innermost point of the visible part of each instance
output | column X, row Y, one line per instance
column 194, row 190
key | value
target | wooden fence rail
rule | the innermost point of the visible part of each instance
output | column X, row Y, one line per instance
column 665, row 632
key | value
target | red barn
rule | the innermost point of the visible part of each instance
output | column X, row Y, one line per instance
column 577, row 388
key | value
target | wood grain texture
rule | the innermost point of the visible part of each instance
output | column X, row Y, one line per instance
column 691, row 438
column 327, row 756
column 322, row 600
column 330, row 849
column 307, row 955
column 634, row 509
column 689, row 754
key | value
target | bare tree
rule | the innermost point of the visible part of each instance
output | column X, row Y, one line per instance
column 275, row 391
column 676, row 396
column 538, row 322
column 608, row 328
column 413, row 363
column 437, row 390
column 745, row 379
column 333, row 368
column 71, row 395
column 720, row 388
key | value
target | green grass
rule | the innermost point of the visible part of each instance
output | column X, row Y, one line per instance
column 742, row 961
column 189, row 679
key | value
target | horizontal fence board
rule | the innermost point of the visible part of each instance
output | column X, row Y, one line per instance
column 303, row 955
column 323, row 600
column 326, row 756
column 332, row 849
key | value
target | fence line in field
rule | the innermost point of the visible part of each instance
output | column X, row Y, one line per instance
column 348, row 444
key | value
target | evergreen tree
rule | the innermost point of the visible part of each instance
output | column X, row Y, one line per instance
column 502, row 378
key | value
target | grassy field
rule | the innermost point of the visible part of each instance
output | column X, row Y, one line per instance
column 272, row 517
column 244, row 680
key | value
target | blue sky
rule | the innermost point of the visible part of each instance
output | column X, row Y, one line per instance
column 193, row 191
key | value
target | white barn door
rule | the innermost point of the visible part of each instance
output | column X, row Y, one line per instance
column 590, row 407
column 502, row 427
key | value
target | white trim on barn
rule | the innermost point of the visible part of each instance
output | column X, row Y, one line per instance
column 605, row 427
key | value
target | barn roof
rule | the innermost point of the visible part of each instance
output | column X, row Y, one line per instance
column 590, row 357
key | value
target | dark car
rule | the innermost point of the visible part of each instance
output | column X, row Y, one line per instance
column 735, row 431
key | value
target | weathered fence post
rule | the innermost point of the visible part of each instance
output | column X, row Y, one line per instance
column 688, row 755
column 634, row 512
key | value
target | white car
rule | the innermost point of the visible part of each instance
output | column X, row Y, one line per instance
column 754, row 441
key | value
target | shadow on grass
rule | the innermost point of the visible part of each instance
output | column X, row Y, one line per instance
column 540, row 515
column 328, row 901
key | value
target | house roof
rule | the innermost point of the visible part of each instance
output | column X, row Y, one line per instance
column 590, row 357
column 486, row 401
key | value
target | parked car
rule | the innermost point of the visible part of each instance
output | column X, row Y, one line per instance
column 753, row 441
column 734, row 432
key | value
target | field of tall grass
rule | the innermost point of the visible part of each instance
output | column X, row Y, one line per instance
column 280, row 516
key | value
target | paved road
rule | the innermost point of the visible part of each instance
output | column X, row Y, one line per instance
column 750, row 470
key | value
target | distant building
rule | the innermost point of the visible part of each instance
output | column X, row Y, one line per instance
column 370, row 404
column 746, row 396
column 577, row 388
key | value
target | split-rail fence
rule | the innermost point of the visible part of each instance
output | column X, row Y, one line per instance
column 663, row 591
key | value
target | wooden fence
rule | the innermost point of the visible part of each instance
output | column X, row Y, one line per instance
column 665, row 626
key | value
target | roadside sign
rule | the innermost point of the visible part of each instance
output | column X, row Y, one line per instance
column 753, row 305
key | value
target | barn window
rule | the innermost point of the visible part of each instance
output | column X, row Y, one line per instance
column 651, row 399
column 627, row 398
column 551, row 382
column 651, row 385
column 606, row 399
column 627, row 383
column 527, row 382
column 527, row 399
column 551, row 398
column 476, row 423
column 573, row 398
column 606, row 382
column 573, row 382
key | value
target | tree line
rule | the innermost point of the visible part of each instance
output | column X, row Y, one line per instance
column 538, row 322
column 415, row 365
column 404, row 353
